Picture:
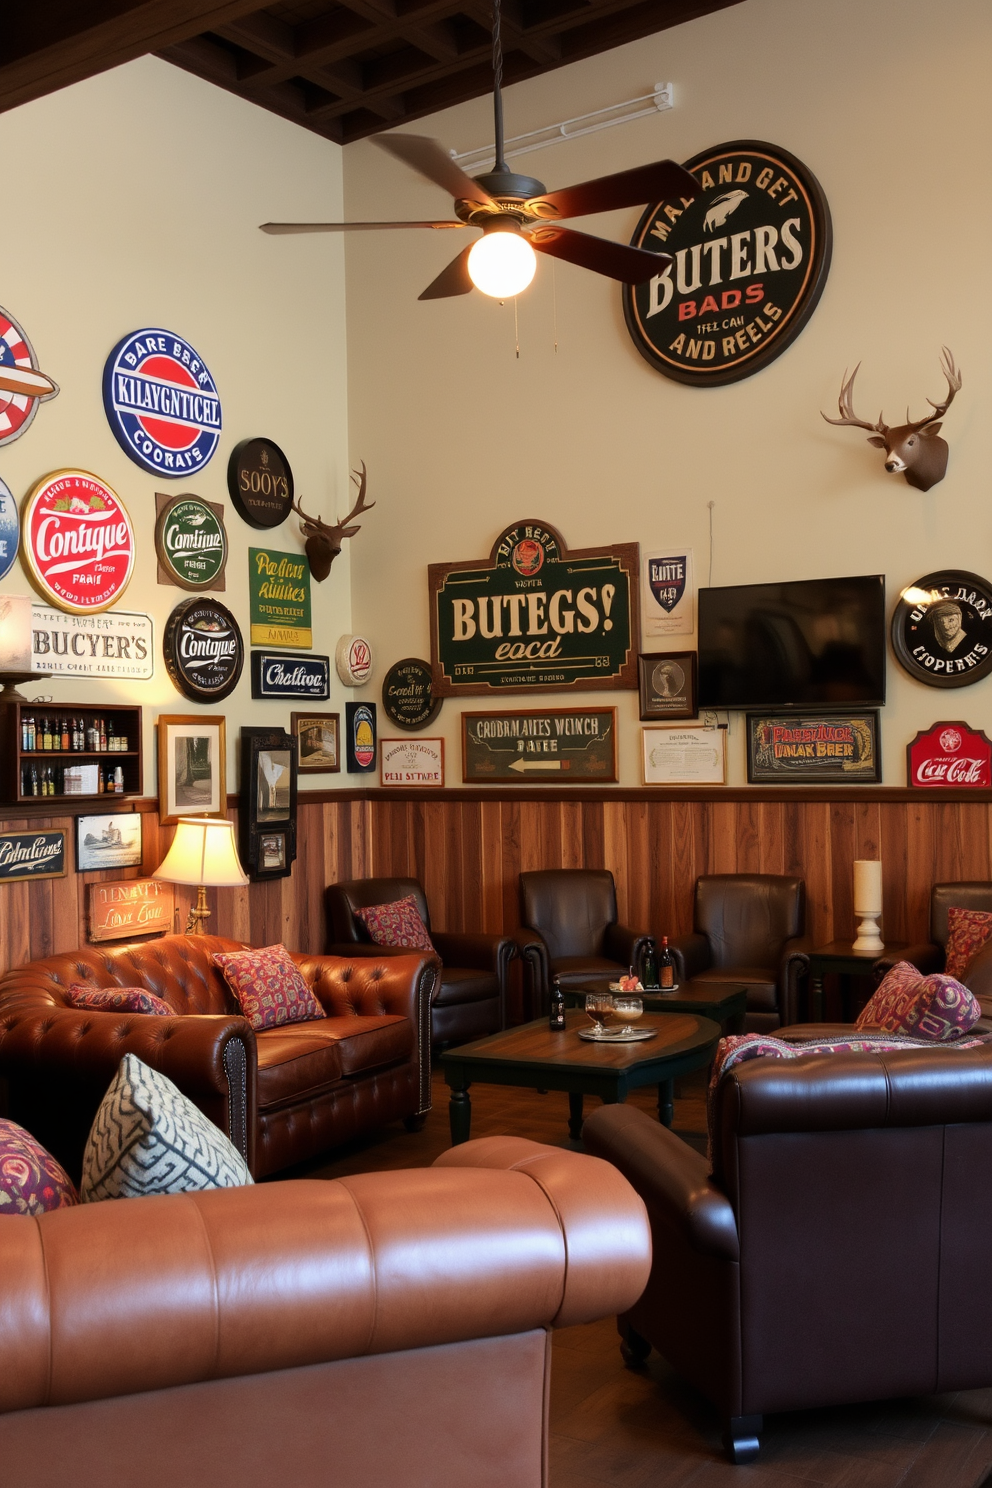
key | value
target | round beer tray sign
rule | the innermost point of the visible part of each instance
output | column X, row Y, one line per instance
column 260, row 481
column 161, row 402
column 23, row 385
column 191, row 543
column 942, row 628
column 10, row 530
column 751, row 253
column 406, row 694
column 353, row 659
column 204, row 650
column 78, row 541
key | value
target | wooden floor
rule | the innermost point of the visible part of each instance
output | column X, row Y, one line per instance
column 613, row 1428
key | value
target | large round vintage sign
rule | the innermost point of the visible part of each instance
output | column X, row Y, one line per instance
column 407, row 698
column 9, row 530
column 204, row 650
column 260, row 482
column 161, row 403
column 942, row 628
column 191, row 543
column 751, row 253
column 78, row 541
column 23, row 385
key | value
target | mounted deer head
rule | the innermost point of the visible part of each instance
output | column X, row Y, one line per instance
column 323, row 540
column 911, row 449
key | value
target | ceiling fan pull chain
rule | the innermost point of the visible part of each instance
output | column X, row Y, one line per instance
column 554, row 303
column 516, row 327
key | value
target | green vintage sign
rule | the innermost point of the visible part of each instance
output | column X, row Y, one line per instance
column 191, row 542
column 534, row 615
column 279, row 591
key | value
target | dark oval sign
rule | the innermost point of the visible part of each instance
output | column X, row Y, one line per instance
column 407, row 698
column 260, row 481
column 204, row 650
column 942, row 628
column 191, row 543
column 751, row 253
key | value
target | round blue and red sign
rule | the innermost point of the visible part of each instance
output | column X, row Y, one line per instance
column 161, row 402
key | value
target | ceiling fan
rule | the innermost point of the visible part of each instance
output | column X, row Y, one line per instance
column 517, row 215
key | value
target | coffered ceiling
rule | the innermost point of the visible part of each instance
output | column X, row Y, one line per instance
column 344, row 69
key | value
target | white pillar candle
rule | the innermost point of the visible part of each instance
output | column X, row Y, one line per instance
column 867, row 885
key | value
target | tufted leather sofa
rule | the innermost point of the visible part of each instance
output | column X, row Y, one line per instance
column 388, row 1328
column 281, row 1095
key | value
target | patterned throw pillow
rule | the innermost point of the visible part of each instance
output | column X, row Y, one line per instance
column 269, row 987
column 147, row 1138
column 118, row 1000
column 935, row 1008
column 968, row 930
column 397, row 924
column 31, row 1181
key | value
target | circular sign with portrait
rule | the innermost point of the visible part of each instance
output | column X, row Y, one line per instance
column 204, row 650
column 407, row 699
column 750, row 256
column 260, row 482
column 191, row 543
column 78, row 541
column 942, row 628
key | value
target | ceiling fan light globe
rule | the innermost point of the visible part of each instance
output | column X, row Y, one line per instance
column 501, row 264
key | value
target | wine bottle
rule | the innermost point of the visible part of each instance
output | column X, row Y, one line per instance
column 666, row 967
column 556, row 1013
column 649, row 970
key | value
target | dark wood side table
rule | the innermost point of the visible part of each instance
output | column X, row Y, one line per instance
column 840, row 957
column 725, row 1005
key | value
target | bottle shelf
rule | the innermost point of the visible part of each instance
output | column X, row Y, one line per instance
column 19, row 766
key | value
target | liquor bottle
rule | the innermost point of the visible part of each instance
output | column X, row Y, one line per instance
column 649, row 969
column 111, row 737
column 119, row 780
column 25, row 735
column 92, row 739
column 78, row 740
column 556, row 1013
column 103, row 736
column 46, row 733
column 35, row 785
column 32, row 734
column 65, row 733
column 666, row 967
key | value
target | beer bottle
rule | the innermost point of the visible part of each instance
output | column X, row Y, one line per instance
column 556, row 1015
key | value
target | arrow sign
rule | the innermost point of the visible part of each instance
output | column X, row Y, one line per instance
column 522, row 764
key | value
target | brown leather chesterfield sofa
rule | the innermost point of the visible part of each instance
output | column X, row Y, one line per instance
column 384, row 1329
column 835, row 1252
column 281, row 1095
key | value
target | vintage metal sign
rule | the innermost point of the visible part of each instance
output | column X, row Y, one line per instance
column 78, row 541
column 353, row 660
column 279, row 594
column 137, row 906
column 204, row 650
column 10, row 530
column 191, row 542
column 32, row 855
column 360, row 740
column 280, row 676
column 115, row 643
column 411, row 762
column 533, row 616
column 567, row 746
column 950, row 756
column 751, row 251
column 260, row 482
column 161, row 403
column 407, row 698
column 942, row 628
column 23, row 385
column 825, row 749
column 667, row 593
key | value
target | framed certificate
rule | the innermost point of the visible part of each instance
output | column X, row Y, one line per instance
column 687, row 755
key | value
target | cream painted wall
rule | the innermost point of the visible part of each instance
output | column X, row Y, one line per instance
column 134, row 199
column 888, row 105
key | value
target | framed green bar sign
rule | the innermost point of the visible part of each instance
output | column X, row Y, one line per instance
column 557, row 746
column 279, row 591
column 534, row 616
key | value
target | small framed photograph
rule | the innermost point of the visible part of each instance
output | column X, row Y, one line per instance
column 272, row 852
column 192, row 766
column 667, row 684
column 411, row 762
column 267, row 814
column 813, row 748
column 318, row 737
column 684, row 756
column 112, row 841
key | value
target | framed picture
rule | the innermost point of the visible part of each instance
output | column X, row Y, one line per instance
column 813, row 748
column 318, row 742
column 267, row 814
column 272, row 851
column 684, row 756
column 411, row 762
column 192, row 766
column 112, row 841
column 667, row 684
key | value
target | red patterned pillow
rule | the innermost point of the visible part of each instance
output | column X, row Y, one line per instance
column 118, row 1000
column 397, row 924
column 31, row 1181
column 936, row 1008
column 269, row 987
column 968, row 930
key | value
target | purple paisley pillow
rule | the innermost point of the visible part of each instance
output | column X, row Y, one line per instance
column 118, row 1000
column 31, row 1181
column 935, row 1008
column 269, row 987
column 397, row 924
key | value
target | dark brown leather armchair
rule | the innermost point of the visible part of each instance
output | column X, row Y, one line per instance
column 470, row 998
column 830, row 1256
column 570, row 931
column 749, row 931
column 929, row 955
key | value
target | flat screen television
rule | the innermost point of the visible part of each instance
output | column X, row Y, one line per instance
column 809, row 643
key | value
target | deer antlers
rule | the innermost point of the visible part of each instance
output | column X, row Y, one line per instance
column 323, row 539
column 847, row 413
column 912, row 449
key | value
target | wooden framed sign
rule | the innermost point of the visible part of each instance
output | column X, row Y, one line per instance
column 942, row 628
column 566, row 746
column 137, row 906
column 950, row 756
column 534, row 616
column 32, row 855
column 814, row 749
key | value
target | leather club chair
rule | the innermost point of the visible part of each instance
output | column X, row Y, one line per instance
column 570, row 931
column 749, row 930
column 929, row 955
column 830, row 1255
column 470, row 998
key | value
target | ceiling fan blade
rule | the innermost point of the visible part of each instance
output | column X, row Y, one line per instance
column 431, row 159
column 308, row 227
column 615, row 260
column 453, row 280
column 630, row 188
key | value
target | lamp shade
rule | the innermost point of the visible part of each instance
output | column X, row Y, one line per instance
column 203, row 852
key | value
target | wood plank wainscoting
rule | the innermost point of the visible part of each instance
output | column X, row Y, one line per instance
column 468, row 846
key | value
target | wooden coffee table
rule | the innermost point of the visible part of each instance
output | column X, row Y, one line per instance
column 535, row 1055
column 726, row 1005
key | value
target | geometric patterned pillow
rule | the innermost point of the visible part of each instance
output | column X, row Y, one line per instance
column 936, row 1008
column 397, row 924
column 892, row 996
column 269, row 987
column 147, row 1138
column 968, row 929
column 118, row 1000
column 31, row 1181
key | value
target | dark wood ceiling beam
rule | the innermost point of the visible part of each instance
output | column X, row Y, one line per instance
column 516, row 36
column 217, row 65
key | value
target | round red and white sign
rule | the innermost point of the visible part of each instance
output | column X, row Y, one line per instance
column 353, row 659
column 78, row 541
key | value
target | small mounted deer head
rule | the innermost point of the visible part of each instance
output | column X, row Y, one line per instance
column 323, row 540
column 912, row 449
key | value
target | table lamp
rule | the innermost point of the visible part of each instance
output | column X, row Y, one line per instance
column 15, row 647
column 202, row 853
column 868, row 904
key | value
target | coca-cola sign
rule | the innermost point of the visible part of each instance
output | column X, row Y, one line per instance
column 204, row 650
column 78, row 541
column 950, row 756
